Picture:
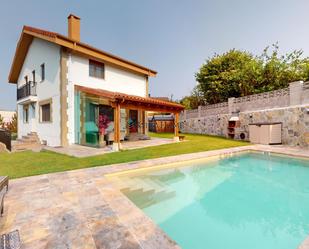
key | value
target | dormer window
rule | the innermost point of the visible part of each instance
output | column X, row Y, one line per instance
column 96, row 69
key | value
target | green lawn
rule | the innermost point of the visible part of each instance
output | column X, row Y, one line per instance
column 29, row 163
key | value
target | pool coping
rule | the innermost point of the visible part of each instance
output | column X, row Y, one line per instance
column 141, row 227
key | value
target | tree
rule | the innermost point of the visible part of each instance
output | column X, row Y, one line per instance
column 239, row 73
column 12, row 126
column 193, row 100
column 279, row 71
column 1, row 122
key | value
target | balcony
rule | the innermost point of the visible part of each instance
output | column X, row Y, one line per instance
column 27, row 90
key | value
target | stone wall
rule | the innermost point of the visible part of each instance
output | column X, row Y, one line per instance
column 295, row 123
column 212, row 125
column 3, row 148
column 289, row 106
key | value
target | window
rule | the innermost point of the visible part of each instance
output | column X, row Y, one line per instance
column 33, row 76
column 96, row 69
column 33, row 110
column 26, row 113
column 43, row 72
column 26, row 79
column 46, row 111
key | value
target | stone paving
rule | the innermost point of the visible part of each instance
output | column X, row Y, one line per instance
column 81, row 209
column 305, row 244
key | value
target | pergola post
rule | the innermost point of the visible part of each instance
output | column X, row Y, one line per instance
column 176, row 125
column 116, row 144
column 145, row 119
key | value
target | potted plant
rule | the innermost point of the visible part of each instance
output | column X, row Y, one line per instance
column 102, row 124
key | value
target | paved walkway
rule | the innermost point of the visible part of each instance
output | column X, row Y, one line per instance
column 85, row 151
column 81, row 209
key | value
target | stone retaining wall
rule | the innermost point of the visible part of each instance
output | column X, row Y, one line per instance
column 212, row 125
column 295, row 123
column 289, row 106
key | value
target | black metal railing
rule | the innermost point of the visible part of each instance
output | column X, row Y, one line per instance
column 29, row 89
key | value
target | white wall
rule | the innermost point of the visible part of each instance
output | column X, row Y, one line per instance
column 43, row 52
column 116, row 80
column 78, row 74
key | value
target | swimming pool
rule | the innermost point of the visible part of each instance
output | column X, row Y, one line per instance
column 247, row 200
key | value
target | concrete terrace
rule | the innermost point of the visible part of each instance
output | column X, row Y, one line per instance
column 81, row 209
column 84, row 151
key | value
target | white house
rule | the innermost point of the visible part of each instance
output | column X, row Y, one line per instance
column 71, row 93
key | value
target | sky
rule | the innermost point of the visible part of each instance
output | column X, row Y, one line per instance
column 173, row 37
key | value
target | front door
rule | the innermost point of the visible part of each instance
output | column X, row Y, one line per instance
column 133, row 121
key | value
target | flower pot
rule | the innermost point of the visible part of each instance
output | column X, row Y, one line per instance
column 102, row 142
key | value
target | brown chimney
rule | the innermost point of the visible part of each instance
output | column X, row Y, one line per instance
column 74, row 27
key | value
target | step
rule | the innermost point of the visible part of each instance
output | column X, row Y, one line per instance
column 22, row 147
column 32, row 140
column 27, row 141
column 32, row 133
column 25, row 144
column 136, row 137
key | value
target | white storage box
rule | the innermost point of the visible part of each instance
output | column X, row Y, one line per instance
column 265, row 133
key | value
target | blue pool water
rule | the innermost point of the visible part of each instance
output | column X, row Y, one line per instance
column 250, row 200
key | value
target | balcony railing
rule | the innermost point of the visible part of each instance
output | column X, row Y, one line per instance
column 29, row 89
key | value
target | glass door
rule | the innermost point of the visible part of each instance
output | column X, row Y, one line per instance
column 133, row 121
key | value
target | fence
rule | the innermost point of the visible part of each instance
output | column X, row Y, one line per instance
column 192, row 113
column 220, row 108
column 273, row 99
column 296, row 94
column 305, row 93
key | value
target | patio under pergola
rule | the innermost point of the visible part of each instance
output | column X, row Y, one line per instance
column 116, row 115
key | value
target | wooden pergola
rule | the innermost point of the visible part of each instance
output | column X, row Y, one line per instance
column 133, row 102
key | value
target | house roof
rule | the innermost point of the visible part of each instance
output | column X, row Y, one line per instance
column 147, row 103
column 28, row 33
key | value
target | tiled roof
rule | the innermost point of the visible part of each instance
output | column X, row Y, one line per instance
column 41, row 31
column 122, row 97
column 28, row 33
column 55, row 35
